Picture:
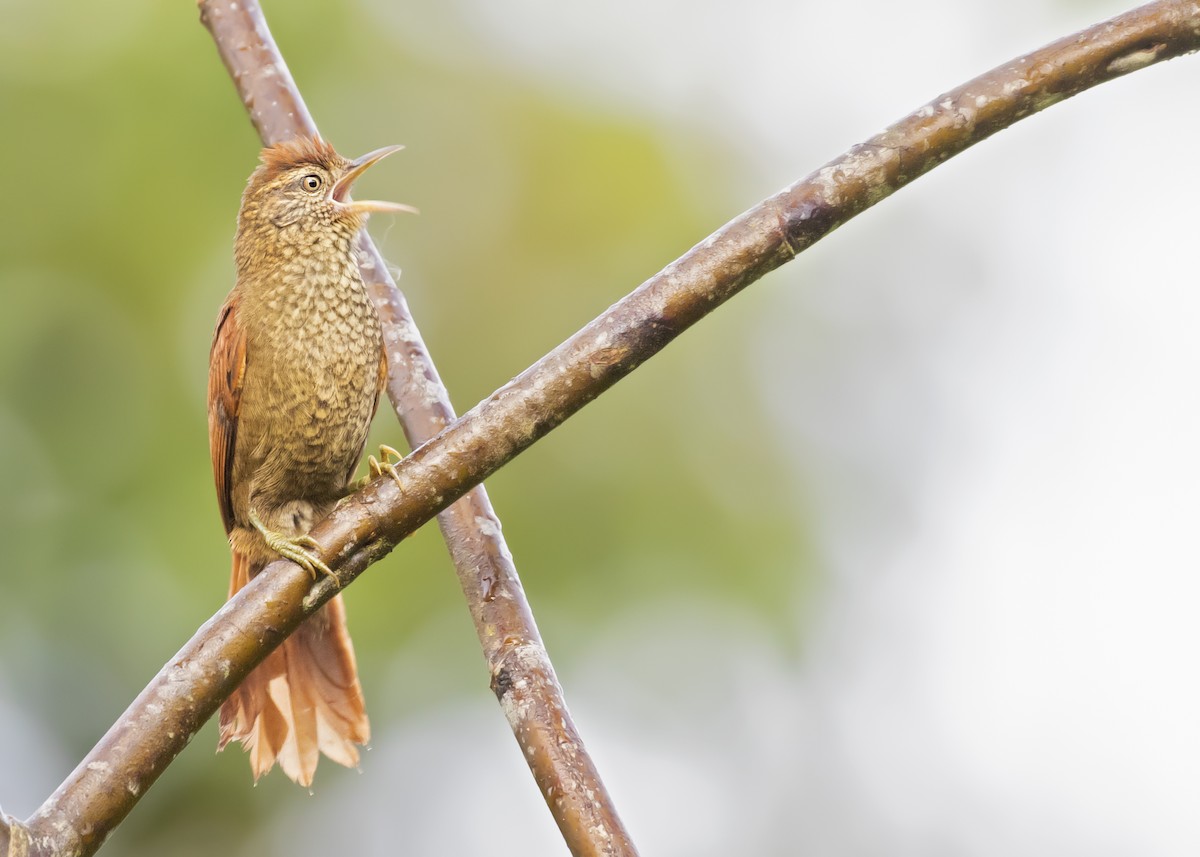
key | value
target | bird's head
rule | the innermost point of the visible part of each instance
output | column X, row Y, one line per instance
column 304, row 185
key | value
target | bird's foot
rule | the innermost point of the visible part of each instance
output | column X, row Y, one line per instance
column 295, row 548
column 378, row 468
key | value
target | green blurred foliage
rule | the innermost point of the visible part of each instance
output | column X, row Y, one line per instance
column 126, row 150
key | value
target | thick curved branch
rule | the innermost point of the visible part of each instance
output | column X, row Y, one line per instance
column 512, row 646
column 189, row 688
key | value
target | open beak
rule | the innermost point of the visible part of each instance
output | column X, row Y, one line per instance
column 341, row 188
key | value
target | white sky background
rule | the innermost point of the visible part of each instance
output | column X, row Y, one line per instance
column 994, row 406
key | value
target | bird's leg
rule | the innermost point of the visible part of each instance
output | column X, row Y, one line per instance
column 293, row 548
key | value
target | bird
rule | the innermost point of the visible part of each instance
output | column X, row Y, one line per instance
column 295, row 373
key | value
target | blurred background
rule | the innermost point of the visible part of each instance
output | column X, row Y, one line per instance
column 895, row 554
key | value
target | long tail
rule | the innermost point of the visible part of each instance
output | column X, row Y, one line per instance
column 303, row 700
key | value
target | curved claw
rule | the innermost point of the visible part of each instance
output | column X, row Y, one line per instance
column 378, row 468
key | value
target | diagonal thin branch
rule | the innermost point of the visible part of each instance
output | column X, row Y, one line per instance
column 512, row 646
column 158, row 725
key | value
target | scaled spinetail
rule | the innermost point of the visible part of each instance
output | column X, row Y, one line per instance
column 295, row 373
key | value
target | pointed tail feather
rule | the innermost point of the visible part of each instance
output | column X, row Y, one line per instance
column 303, row 700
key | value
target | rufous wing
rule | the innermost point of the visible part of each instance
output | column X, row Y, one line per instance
column 226, row 374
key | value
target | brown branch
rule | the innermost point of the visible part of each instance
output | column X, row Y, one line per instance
column 14, row 837
column 157, row 726
column 511, row 643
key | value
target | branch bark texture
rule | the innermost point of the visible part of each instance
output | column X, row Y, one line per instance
column 190, row 687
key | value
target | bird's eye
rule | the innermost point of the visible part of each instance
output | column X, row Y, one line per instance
column 311, row 182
